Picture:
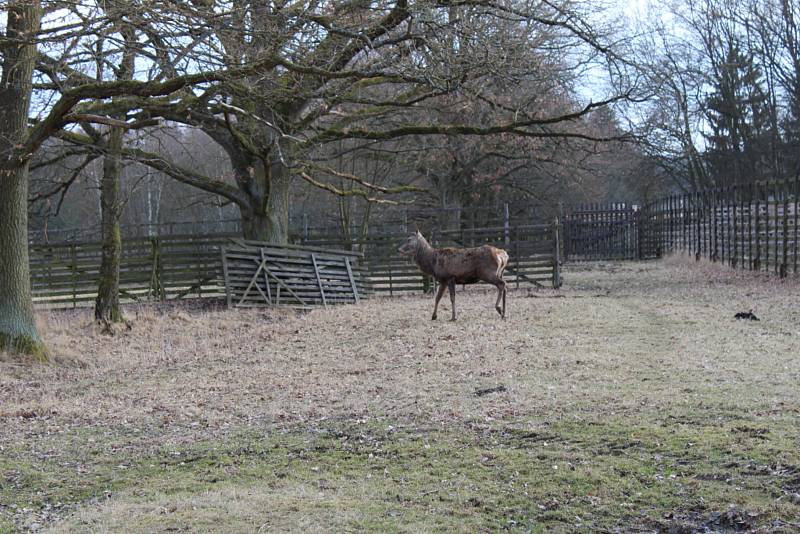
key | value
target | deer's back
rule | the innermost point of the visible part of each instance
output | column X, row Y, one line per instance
column 466, row 265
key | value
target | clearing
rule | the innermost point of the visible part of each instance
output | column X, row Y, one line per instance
column 630, row 400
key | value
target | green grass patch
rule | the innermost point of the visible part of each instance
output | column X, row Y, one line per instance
column 560, row 477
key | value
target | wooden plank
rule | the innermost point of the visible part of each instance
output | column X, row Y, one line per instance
column 254, row 281
column 266, row 277
column 352, row 280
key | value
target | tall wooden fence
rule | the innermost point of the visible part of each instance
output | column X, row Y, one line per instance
column 616, row 231
column 752, row 226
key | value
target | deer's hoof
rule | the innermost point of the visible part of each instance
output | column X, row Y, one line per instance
column 452, row 319
column 433, row 317
column 499, row 310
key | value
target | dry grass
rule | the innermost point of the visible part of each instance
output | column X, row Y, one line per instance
column 641, row 350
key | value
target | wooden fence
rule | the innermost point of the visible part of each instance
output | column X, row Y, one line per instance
column 602, row 232
column 752, row 226
column 67, row 274
column 259, row 274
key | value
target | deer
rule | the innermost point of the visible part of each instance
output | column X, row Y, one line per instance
column 451, row 266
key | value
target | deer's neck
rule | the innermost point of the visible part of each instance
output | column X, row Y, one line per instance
column 425, row 258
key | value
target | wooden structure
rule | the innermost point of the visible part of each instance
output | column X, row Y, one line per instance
column 751, row 226
column 67, row 274
column 259, row 274
column 614, row 231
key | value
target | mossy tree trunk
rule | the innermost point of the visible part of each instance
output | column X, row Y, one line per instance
column 107, row 308
column 18, row 333
column 266, row 218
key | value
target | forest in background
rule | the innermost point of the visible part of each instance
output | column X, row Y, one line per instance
column 712, row 98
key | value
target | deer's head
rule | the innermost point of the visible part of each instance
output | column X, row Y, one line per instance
column 411, row 244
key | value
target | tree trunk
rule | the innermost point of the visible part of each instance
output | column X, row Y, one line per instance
column 107, row 307
column 451, row 207
column 268, row 219
column 18, row 333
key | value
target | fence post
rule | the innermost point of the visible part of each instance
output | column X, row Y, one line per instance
column 757, row 260
column 796, row 192
column 735, row 206
column 391, row 288
column 564, row 231
column 556, row 255
column 74, row 267
column 775, row 260
column 156, row 284
column 697, row 233
column 516, row 257
column 637, row 224
column 785, row 233
column 506, row 224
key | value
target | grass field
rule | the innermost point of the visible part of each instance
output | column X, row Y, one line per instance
column 630, row 400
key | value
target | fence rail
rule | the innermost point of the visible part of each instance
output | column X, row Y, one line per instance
column 67, row 274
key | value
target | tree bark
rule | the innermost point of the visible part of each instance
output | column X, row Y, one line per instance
column 267, row 217
column 107, row 307
column 18, row 333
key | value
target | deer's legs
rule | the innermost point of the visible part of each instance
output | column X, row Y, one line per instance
column 505, row 290
column 451, row 285
column 439, row 294
column 501, row 295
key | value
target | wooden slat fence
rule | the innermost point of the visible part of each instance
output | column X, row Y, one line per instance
column 751, row 226
column 67, row 274
column 259, row 274
column 615, row 231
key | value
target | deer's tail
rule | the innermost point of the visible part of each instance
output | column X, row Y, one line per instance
column 502, row 261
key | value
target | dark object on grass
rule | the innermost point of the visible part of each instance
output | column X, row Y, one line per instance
column 482, row 392
column 747, row 315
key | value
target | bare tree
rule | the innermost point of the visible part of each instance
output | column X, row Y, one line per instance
column 723, row 79
column 73, row 100
column 17, row 326
column 331, row 72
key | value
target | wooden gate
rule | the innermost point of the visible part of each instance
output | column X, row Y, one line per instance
column 607, row 232
column 258, row 274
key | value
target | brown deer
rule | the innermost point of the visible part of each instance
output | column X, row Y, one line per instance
column 451, row 266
